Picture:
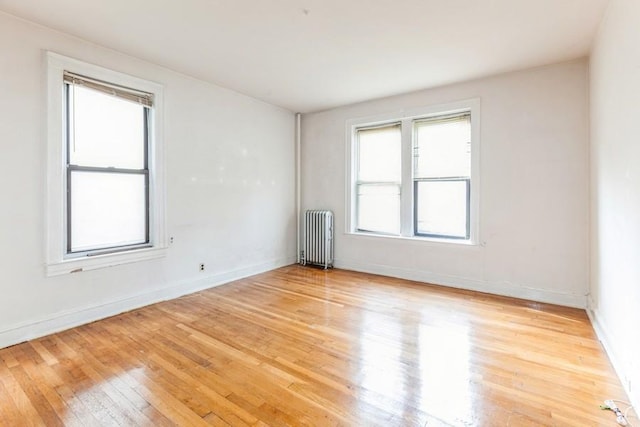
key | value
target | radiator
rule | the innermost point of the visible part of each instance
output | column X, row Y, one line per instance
column 318, row 238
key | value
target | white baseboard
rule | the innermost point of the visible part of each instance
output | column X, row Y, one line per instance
column 540, row 295
column 605, row 338
column 69, row 319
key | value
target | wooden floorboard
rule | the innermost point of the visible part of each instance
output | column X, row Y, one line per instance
column 303, row 346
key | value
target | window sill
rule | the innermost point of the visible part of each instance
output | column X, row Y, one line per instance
column 76, row 265
column 417, row 239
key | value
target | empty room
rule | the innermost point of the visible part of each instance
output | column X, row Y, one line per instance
column 320, row 213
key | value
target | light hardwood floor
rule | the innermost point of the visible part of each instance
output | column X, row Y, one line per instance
column 302, row 346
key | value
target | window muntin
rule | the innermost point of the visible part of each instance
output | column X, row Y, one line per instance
column 442, row 176
column 429, row 185
column 378, row 180
column 107, row 167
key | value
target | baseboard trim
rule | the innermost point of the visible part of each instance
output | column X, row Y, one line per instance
column 65, row 320
column 568, row 300
column 605, row 339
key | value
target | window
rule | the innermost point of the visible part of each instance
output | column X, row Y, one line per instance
column 379, row 177
column 415, row 175
column 105, row 186
column 107, row 166
column 442, row 176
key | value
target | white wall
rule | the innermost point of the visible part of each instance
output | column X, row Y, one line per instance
column 230, row 191
column 534, row 188
column 615, row 189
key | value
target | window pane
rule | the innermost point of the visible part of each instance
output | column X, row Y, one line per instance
column 443, row 148
column 107, row 210
column 105, row 130
column 379, row 208
column 379, row 154
column 442, row 208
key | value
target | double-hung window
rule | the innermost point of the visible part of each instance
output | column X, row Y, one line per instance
column 105, row 186
column 416, row 175
column 442, row 176
column 379, row 174
column 107, row 167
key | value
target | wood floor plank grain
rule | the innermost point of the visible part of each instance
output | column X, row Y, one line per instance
column 301, row 346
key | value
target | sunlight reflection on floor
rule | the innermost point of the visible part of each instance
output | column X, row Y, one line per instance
column 441, row 387
column 445, row 372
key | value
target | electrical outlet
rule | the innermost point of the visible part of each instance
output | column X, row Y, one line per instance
column 201, row 266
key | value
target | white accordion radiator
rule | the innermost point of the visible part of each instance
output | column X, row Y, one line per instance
column 318, row 238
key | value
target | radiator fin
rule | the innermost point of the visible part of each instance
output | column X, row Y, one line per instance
column 318, row 238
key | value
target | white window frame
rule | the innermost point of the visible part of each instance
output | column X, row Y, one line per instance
column 407, row 118
column 57, row 260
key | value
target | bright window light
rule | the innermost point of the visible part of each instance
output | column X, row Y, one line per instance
column 378, row 179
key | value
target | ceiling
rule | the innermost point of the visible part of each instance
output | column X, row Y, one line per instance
column 310, row 55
